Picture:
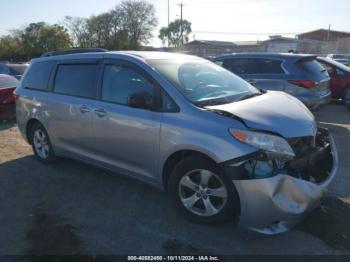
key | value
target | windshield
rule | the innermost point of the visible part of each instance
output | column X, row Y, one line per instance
column 203, row 82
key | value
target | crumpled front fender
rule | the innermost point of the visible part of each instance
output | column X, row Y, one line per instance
column 275, row 205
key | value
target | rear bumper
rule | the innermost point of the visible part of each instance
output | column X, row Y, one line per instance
column 316, row 101
column 275, row 205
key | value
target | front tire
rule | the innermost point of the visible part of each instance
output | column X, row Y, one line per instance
column 201, row 192
column 41, row 144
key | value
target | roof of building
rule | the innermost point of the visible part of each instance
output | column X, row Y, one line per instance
column 212, row 42
column 246, row 43
column 324, row 30
column 280, row 38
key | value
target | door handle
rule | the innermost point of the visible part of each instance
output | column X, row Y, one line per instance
column 84, row 109
column 101, row 112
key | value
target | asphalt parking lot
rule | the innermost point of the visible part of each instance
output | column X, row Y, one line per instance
column 73, row 208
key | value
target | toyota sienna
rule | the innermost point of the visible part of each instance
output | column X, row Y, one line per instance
column 220, row 147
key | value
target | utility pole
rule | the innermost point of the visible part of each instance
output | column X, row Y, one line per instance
column 168, row 23
column 329, row 33
column 168, row 12
column 182, row 32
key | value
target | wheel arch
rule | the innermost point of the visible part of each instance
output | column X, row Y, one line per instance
column 32, row 122
column 174, row 159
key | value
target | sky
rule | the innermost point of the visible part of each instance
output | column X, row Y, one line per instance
column 225, row 20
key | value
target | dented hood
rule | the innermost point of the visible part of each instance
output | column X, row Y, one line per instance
column 276, row 112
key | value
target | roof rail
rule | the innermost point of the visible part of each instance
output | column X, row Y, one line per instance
column 75, row 51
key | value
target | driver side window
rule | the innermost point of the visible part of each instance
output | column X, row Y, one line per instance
column 121, row 82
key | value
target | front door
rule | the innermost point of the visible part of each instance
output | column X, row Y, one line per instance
column 126, row 137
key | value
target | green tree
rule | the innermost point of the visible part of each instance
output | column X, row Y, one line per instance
column 175, row 33
column 78, row 30
column 139, row 20
column 128, row 26
column 40, row 37
column 11, row 48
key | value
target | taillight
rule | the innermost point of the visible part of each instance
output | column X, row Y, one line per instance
column 15, row 95
column 304, row 83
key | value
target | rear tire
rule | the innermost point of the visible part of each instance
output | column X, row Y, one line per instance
column 41, row 144
column 201, row 192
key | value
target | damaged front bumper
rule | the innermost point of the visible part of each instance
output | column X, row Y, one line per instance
column 276, row 204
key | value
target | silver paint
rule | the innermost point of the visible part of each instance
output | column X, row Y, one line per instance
column 138, row 143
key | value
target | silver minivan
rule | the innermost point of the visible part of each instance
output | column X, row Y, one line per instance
column 220, row 147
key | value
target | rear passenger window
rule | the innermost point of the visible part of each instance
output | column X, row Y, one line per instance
column 38, row 75
column 268, row 66
column 119, row 82
column 240, row 66
column 77, row 80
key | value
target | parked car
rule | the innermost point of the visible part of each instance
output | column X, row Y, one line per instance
column 16, row 70
column 7, row 102
column 218, row 145
column 340, row 77
column 343, row 59
column 299, row 75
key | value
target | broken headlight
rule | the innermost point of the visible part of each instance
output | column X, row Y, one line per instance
column 274, row 146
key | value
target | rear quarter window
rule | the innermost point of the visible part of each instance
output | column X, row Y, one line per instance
column 38, row 75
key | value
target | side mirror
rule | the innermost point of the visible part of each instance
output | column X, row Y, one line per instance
column 142, row 100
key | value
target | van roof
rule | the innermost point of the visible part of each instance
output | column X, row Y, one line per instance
column 143, row 55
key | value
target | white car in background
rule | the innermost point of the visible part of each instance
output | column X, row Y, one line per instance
column 343, row 59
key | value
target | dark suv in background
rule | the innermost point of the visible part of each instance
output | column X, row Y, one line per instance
column 299, row 75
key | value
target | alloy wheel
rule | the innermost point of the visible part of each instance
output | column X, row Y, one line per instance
column 203, row 193
column 41, row 144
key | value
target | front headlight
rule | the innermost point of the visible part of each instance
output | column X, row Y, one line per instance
column 274, row 146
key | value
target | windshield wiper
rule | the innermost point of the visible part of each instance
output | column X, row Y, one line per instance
column 209, row 103
column 249, row 96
